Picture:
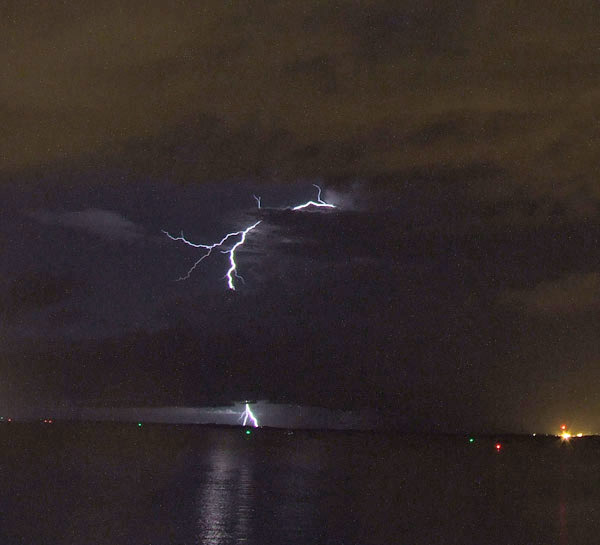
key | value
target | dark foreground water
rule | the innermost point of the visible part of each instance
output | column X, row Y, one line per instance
column 120, row 484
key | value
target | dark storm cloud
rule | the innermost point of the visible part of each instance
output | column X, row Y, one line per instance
column 551, row 371
column 573, row 294
column 416, row 302
column 456, row 283
column 105, row 223
column 34, row 291
column 285, row 89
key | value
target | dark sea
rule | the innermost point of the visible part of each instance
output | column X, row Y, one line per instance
column 165, row 485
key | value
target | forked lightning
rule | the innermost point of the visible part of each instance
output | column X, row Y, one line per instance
column 232, row 273
column 248, row 415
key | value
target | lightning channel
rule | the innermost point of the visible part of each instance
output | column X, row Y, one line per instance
column 319, row 203
column 232, row 271
column 248, row 415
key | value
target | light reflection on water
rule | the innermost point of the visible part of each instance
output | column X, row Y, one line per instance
column 225, row 502
column 346, row 491
column 245, row 497
column 223, row 488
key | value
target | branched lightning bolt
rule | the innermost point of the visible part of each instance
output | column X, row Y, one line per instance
column 248, row 415
column 232, row 264
column 319, row 203
column 232, row 272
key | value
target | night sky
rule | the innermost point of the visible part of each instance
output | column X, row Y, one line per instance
column 456, row 286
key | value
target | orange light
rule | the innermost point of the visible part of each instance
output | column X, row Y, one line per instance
column 563, row 427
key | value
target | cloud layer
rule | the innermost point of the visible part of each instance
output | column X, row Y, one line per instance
column 569, row 295
column 286, row 90
column 105, row 223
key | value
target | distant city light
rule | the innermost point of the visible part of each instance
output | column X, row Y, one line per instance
column 580, row 435
column 498, row 447
column 563, row 427
column 565, row 435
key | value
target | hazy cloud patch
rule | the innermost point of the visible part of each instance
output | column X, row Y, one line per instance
column 105, row 223
column 346, row 198
column 34, row 290
column 570, row 294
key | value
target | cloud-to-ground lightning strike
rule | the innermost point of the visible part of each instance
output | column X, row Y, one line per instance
column 232, row 271
column 319, row 203
column 248, row 415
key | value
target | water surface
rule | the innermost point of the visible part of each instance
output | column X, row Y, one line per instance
column 159, row 485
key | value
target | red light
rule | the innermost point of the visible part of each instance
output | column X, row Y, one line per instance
column 498, row 446
column 49, row 421
column 10, row 419
column 563, row 427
